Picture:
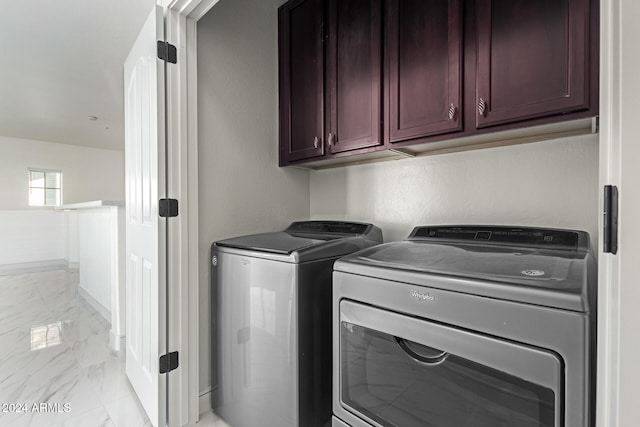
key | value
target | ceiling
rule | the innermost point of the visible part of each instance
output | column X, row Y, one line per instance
column 61, row 61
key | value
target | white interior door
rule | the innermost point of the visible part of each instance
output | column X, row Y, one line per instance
column 145, row 247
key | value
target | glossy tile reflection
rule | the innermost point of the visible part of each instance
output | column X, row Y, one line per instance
column 56, row 368
column 46, row 336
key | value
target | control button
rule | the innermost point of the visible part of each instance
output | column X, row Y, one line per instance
column 483, row 235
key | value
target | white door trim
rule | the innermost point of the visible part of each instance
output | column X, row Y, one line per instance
column 191, row 9
column 608, row 302
column 177, row 321
column 619, row 293
column 181, row 17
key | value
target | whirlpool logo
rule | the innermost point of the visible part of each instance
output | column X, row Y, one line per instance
column 532, row 273
column 423, row 296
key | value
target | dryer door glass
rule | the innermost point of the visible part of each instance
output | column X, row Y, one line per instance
column 395, row 381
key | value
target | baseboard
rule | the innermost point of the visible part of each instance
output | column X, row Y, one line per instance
column 117, row 343
column 204, row 401
column 35, row 267
column 101, row 309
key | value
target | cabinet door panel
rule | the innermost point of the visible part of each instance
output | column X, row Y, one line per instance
column 423, row 68
column 533, row 59
column 301, row 80
column 353, row 74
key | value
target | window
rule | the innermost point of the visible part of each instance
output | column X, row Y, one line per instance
column 45, row 187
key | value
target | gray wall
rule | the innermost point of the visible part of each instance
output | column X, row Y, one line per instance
column 241, row 188
column 549, row 184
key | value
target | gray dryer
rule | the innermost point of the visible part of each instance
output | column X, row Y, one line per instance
column 479, row 326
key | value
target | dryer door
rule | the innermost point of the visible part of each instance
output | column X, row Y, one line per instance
column 397, row 370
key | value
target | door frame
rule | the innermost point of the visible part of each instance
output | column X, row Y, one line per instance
column 617, row 347
column 619, row 294
column 181, row 18
column 608, row 343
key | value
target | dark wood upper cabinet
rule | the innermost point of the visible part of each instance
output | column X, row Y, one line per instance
column 423, row 68
column 354, row 74
column 532, row 58
column 301, row 61
column 360, row 76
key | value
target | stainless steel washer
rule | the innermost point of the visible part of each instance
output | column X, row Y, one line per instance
column 478, row 326
column 271, row 322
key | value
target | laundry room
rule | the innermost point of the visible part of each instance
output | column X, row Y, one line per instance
column 320, row 213
column 549, row 181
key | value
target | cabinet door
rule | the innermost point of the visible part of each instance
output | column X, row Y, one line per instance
column 353, row 74
column 423, row 68
column 301, row 80
column 533, row 59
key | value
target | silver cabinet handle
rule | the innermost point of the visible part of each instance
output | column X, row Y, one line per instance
column 482, row 107
column 316, row 142
column 452, row 111
column 331, row 138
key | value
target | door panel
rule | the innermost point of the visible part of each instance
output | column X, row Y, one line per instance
column 256, row 360
column 399, row 370
column 353, row 74
column 144, row 127
column 533, row 59
column 423, row 64
column 301, row 80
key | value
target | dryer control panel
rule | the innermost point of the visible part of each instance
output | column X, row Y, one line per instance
column 524, row 236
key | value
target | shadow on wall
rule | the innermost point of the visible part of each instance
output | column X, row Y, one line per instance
column 547, row 184
column 337, row 194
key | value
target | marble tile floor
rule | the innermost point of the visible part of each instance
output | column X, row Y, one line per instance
column 56, row 368
column 209, row 419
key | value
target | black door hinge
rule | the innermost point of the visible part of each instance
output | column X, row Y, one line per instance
column 168, row 208
column 168, row 362
column 167, row 52
column 610, row 220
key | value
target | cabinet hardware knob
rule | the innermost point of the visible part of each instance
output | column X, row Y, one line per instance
column 316, row 142
column 452, row 111
column 331, row 138
column 482, row 107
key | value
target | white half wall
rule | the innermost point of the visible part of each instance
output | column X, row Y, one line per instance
column 101, row 248
column 37, row 234
column 241, row 188
column 547, row 184
column 87, row 173
column 96, row 235
column 32, row 236
column 72, row 255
